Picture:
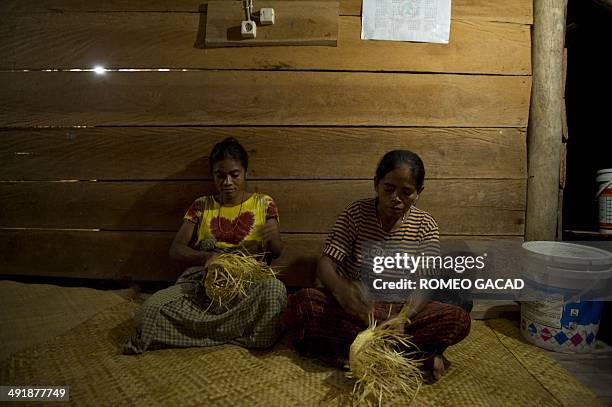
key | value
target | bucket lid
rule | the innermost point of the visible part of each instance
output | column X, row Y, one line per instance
column 569, row 254
column 604, row 171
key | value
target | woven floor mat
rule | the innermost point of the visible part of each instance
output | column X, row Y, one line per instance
column 34, row 313
column 490, row 367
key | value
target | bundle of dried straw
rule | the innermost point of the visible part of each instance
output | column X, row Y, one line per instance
column 229, row 275
column 383, row 361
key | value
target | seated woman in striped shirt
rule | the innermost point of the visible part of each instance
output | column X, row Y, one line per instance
column 324, row 322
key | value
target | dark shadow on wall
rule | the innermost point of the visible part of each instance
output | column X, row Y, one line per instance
column 200, row 41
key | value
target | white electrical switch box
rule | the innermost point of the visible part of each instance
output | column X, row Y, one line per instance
column 266, row 16
column 248, row 29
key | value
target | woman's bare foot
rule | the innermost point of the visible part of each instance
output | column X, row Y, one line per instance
column 439, row 367
column 434, row 368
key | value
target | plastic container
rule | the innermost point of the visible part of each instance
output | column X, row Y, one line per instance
column 604, row 198
column 557, row 275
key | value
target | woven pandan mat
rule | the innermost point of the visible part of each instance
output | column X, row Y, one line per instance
column 490, row 367
column 33, row 313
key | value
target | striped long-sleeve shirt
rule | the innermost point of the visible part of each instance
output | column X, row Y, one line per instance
column 359, row 224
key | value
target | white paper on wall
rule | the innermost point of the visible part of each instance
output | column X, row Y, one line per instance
column 406, row 20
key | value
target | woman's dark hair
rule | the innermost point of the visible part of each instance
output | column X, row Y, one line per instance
column 396, row 158
column 229, row 148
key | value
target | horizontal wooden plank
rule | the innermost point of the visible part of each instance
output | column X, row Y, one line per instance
column 139, row 256
column 293, row 25
column 518, row 11
column 120, row 153
column 124, row 40
column 119, row 255
column 470, row 207
column 262, row 98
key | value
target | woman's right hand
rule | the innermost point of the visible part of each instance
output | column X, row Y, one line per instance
column 350, row 299
column 180, row 249
column 210, row 259
column 347, row 292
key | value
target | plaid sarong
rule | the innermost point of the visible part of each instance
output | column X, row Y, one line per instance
column 181, row 316
column 319, row 327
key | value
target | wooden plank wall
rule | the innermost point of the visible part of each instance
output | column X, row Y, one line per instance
column 97, row 170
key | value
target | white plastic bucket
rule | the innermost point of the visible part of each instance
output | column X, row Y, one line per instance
column 556, row 274
column 604, row 198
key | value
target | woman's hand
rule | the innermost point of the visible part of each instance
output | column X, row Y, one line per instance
column 268, row 231
column 210, row 259
column 212, row 256
column 270, row 235
column 180, row 250
column 416, row 303
column 351, row 300
column 346, row 292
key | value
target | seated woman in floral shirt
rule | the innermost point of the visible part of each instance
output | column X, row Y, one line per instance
column 231, row 220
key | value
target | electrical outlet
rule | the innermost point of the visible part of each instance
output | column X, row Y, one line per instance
column 248, row 29
column 266, row 16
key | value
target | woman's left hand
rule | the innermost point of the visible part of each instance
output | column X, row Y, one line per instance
column 268, row 231
column 270, row 234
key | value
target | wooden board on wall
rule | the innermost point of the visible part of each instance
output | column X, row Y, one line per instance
column 125, row 40
column 518, row 11
column 156, row 153
column 473, row 207
column 135, row 255
column 262, row 98
column 139, row 256
column 306, row 23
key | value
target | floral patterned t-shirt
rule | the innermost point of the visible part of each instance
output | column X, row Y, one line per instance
column 231, row 227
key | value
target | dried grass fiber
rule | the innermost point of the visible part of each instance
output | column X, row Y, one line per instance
column 229, row 275
column 384, row 362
